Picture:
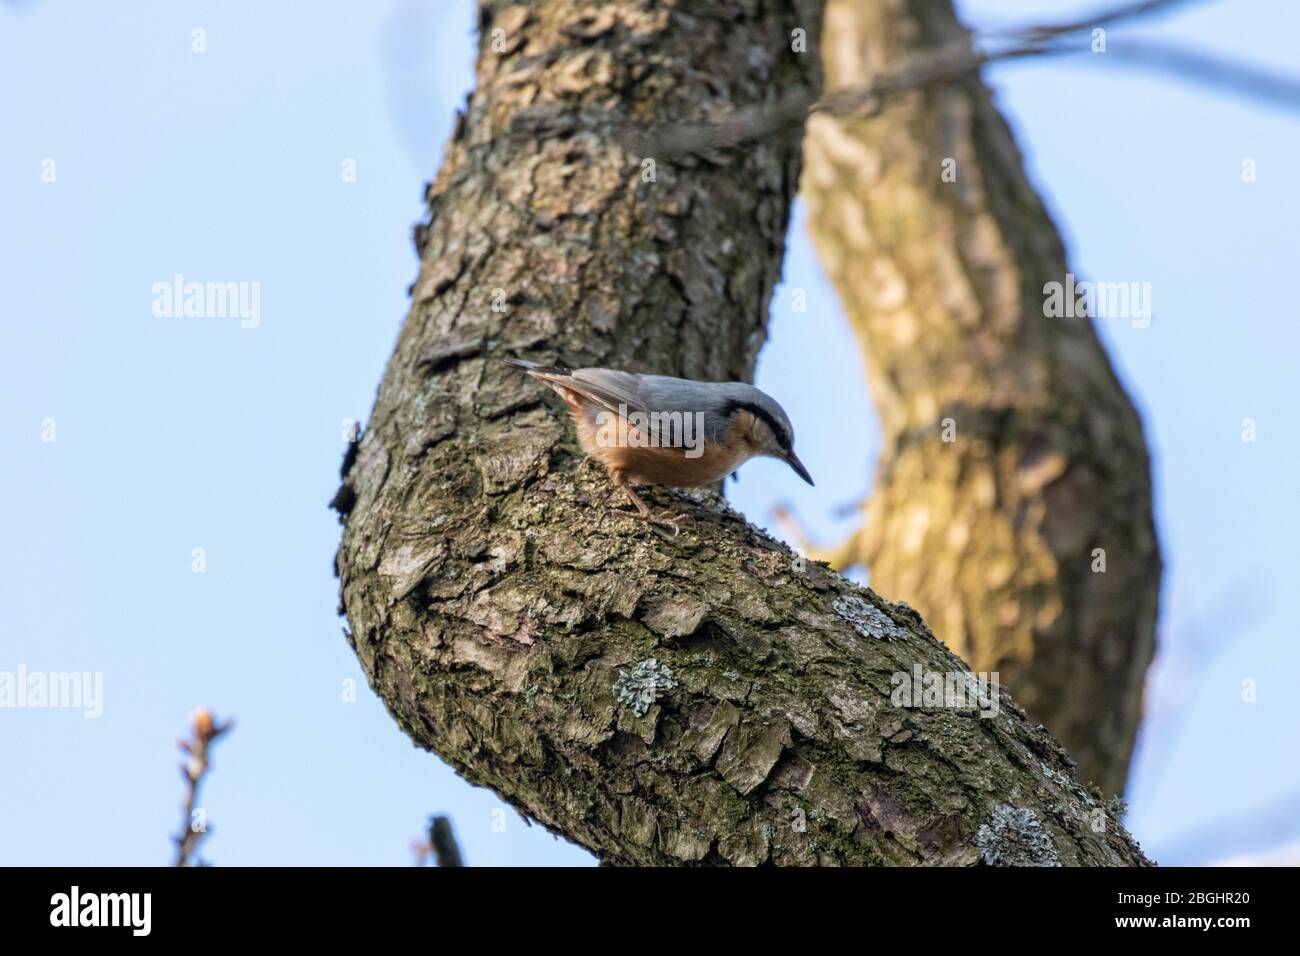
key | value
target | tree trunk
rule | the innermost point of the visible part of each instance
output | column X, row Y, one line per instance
column 699, row 699
column 999, row 534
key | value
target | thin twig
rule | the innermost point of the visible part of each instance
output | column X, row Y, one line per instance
column 204, row 730
column 958, row 60
column 1124, row 11
column 845, row 555
column 1212, row 71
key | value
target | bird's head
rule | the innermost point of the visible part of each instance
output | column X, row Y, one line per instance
column 770, row 431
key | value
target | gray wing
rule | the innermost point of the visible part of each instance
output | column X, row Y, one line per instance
column 649, row 394
column 608, row 388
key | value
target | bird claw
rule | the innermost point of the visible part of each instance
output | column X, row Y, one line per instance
column 656, row 522
column 667, row 525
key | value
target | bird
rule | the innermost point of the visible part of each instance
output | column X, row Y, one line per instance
column 659, row 430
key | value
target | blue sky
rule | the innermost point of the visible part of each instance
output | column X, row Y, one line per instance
column 174, row 434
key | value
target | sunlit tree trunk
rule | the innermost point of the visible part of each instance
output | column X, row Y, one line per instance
column 1012, row 504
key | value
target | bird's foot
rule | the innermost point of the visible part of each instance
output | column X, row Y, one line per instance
column 665, row 522
column 643, row 512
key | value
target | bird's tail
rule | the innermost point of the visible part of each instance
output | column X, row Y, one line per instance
column 534, row 367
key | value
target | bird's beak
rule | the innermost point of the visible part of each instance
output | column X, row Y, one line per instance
column 793, row 461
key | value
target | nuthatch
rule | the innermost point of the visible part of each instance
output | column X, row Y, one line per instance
column 656, row 430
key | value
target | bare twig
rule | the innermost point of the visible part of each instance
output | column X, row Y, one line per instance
column 441, row 845
column 1124, row 11
column 958, row 60
column 204, row 731
column 845, row 555
column 789, row 526
column 1211, row 71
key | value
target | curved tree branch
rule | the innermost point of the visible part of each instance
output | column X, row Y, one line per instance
column 702, row 699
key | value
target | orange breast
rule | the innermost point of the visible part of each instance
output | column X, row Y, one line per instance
column 659, row 466
column 670, row 466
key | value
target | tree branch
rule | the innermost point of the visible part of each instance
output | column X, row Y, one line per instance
column 204, row 731
column 705, row 699
column 960, row 60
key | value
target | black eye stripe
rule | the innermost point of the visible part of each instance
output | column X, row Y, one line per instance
column 782, row 436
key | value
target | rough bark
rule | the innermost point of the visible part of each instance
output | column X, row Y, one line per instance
column 993, row 536
column 699, row 699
